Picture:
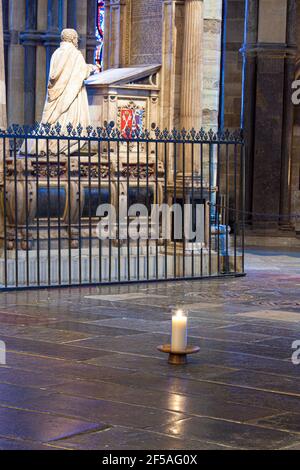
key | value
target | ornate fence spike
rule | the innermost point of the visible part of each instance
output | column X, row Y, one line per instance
column 174, row 133
column 79, row 129
column 16, row 129
column 157, row 132
column 109, row 131
column 211, row 134
column 227, row 134
column 47, row 128
column 89, row 130
column 58, row 128
column 193, row 133
column 69, row 128
column 36, row 128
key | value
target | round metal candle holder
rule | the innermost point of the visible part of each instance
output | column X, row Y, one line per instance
column 178, row 358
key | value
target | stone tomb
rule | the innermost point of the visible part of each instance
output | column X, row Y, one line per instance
column 133, row 170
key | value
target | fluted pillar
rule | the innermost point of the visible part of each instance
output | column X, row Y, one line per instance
column 192, row 60
column 192, row 69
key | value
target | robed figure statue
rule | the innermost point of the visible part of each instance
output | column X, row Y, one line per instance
column 66, row 101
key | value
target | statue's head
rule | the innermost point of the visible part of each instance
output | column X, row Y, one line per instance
column 70, row 35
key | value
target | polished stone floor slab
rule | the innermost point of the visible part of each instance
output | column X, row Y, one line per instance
column 41, row 427
column 105, row 411
column 279, row 315
column 127, row 297
column 83, row 370
column 285, row 422
column 121, row 438
column 240, row 436
column 213, row 407
column 91, row 329
column 20, row 444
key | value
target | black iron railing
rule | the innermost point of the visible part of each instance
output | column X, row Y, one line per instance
column 100, row 206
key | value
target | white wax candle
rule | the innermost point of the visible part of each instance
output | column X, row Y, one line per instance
column 179, row 331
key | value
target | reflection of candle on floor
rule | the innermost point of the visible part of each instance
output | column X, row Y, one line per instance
column 179, row 331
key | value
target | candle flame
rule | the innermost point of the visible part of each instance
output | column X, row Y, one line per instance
column 179, row 313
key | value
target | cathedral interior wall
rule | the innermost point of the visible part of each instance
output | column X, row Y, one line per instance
column 146, row 32
column 295, row 161
column 234, row 63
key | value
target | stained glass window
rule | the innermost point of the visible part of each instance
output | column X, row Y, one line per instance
column 100, row 33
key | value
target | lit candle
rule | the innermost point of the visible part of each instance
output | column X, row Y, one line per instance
column 179, row 331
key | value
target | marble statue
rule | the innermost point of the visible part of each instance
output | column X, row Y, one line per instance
column 66, row 100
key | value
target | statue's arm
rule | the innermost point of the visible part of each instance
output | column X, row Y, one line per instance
column 87, row 69
column 90, row 68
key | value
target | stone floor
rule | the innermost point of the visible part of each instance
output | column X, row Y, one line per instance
column 83, row 371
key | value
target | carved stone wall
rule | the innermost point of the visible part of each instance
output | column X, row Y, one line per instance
column 146, row 32
column 212, row 35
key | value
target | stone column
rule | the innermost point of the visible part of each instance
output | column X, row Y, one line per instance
column 3, row 117
column 192, row 70
column 15, row 75
column 173, row 24
column 81, row 23
column 91, row 28
column 72, row 14
column 288, row 117
column 54, row 26
column 249, row 101
column 6, row 33
column 269, row 57
column 212, row 57
column 117, row 33
column 41, row 64
column 28, row 39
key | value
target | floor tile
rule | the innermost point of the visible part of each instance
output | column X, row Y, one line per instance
column 41, row 427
